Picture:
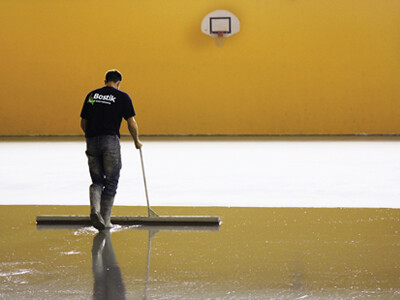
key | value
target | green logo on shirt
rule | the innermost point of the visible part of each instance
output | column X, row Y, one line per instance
column 91, row 100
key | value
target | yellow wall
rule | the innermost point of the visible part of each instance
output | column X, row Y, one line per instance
column 296, row 67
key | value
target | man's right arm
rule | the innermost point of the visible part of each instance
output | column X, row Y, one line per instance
column 134, row 131
column 83, row 124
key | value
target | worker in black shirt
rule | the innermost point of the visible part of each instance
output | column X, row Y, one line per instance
column 101, row 119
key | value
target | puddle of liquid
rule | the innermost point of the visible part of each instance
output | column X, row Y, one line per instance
column 258, row 253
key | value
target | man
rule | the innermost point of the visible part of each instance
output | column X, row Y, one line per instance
column 101, row 119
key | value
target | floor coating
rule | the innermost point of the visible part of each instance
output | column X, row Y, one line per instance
column 257, row 253
column 302, row 218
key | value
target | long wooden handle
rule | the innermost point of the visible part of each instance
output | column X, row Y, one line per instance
column 151, row 213
column 144, row 179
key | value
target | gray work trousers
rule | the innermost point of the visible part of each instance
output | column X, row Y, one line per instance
column 104, row 158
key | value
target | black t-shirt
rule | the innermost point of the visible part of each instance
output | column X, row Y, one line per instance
column 104, row 109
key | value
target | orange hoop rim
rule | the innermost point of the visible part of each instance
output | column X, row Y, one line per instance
column 220, row 34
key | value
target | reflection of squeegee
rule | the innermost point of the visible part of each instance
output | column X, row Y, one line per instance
column 151, row 234
column 153, row 219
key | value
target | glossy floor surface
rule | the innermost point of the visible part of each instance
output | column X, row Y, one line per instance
column 257, row 253
column 272, row 243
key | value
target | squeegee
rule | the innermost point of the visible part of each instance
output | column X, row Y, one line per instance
column 152, row 218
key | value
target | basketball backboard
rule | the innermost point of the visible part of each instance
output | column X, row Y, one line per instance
column 220, row 24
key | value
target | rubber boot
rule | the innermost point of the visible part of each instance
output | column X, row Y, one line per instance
column 95, row 212
column 106, row 208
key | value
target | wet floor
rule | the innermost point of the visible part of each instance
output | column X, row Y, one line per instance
column 257, row 253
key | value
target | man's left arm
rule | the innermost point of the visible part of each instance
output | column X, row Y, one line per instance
column 134, row 131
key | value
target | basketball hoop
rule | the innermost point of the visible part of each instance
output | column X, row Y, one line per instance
column 220, row 24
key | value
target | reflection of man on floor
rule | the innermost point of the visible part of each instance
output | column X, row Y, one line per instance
column 108, row 283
